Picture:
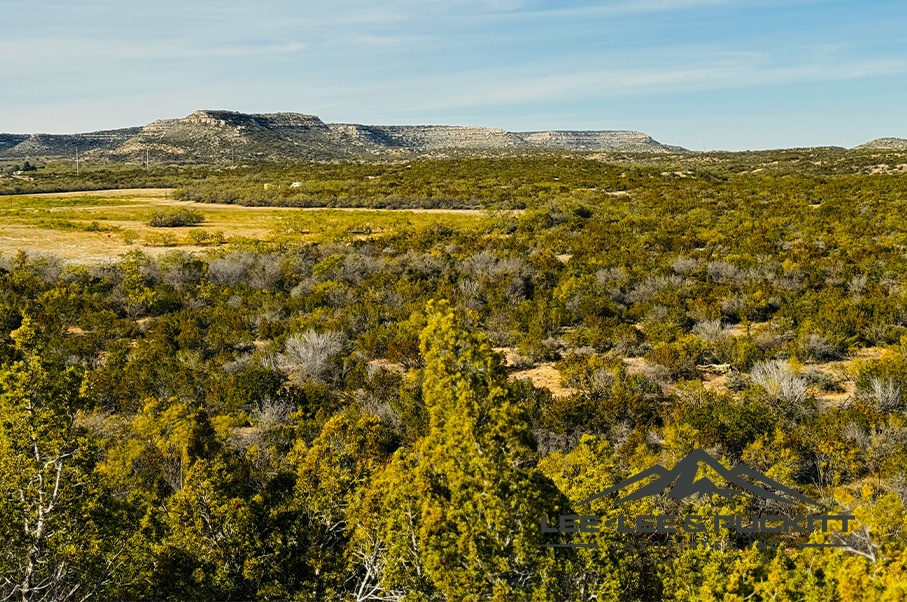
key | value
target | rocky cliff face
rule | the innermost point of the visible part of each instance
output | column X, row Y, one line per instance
column 221, row 136
column 421, row 138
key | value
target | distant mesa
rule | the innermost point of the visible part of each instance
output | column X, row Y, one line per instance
column 886, row 144
column 50, row 145
column 214, row 136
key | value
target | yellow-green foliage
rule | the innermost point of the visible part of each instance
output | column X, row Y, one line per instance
column 457, row 515
column 297, row 419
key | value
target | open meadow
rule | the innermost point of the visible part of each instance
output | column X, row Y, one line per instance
column 95, row 226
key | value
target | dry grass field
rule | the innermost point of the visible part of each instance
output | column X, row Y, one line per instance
column 87, row 227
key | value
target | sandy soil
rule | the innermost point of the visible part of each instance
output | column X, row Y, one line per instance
column 546, row 376
column 635, row 365
column 543, row 375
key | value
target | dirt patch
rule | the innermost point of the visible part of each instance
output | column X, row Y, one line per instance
column 739, row 330
column 635, row 365
column 715, row 382
column 832, row 400
column 512, row 359
column 544, row 376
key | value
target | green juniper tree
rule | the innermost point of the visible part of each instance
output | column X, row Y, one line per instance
column 57, row 528
column 457, row 516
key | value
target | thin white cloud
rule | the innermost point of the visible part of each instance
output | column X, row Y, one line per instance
column 610, row 9
column 76, row 54
column 515, row 87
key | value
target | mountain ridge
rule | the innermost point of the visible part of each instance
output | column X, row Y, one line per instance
column 223, row 136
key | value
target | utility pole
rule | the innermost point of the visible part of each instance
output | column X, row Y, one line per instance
column 146, row 159
column 77, row 160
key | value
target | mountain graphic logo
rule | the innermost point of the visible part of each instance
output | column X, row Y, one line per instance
column 683, row 482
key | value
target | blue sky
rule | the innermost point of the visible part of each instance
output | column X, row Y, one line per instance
column 699, row 73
